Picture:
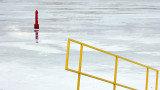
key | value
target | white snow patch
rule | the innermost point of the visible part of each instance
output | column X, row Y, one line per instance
column 150, row 53
column 41, row 49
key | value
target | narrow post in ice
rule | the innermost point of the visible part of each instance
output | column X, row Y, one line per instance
column 36, row 26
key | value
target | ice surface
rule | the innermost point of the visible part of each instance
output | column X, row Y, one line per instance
column 129, row 28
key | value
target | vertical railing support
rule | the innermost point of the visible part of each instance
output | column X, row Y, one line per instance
column 67, row 55
column 115, row 73
column 116, row 67
column 80, row 64
column 147, row 75
column 157, row 80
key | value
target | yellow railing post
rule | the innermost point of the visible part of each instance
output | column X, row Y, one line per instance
column 116, row 67
column 67, row 55
column 157, row 80
column 115, row 73
column 147, row 75
column 80, row 64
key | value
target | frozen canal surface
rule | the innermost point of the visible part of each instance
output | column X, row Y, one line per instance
column 129, row 28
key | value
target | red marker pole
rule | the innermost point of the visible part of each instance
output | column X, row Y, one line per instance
column 36, row 26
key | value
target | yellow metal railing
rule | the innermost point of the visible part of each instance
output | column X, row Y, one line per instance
column 116, row 64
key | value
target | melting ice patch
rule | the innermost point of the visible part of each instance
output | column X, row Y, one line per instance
column 117, row 48
column 150, row 53
column 101, row 46
column 21, row 35
column 148, row 40
column 38, row 48
column 14, row 27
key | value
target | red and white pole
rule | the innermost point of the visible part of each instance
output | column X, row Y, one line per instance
column 36, row 26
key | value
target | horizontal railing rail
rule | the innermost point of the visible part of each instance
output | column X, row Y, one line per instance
column 116, row 66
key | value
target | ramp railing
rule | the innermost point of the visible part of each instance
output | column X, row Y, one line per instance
column 116, row 64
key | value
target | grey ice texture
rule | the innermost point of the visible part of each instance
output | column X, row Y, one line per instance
column 129, row 28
